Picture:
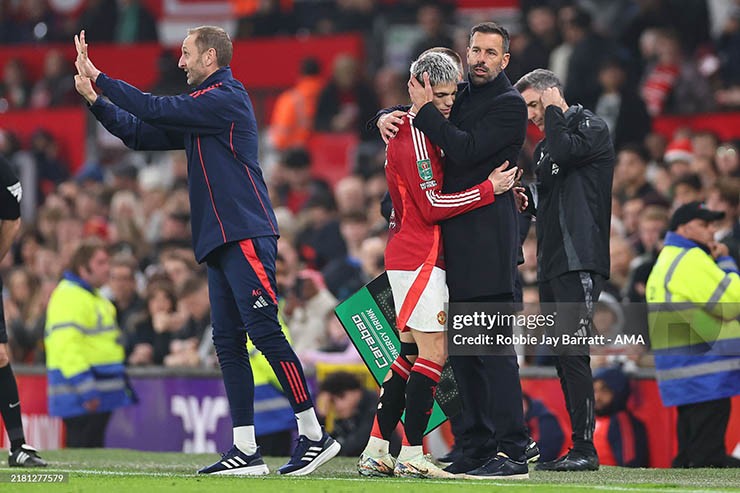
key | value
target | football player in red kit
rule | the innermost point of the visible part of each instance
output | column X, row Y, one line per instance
column 415, row 265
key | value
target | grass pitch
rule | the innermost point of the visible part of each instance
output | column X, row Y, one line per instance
column 113, row 470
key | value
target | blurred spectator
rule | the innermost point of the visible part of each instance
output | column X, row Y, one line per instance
column 678, row 156
column 178, row 267
column 122, row 285
column 308, row 302
column 295, row 109
column 590, row 49
column 544, row 428
column 725, row 197
column 38, row 23
column 431, row 19
column 56, row 86
column 99, row 20
column 24, row 314
column 728, row 161
column 193, row 297
column 349, row 193
column 134, row 23
column 292, row 183
column 630, row 175
column 15, row 90
column 320, row 240
column 170, row 80
column 372, row 254
column 350, row 408
column 150, row 341
column 728, row 50
column 620, row 105
column 50, row 168
column 390, row 86
column 687, row 188
column 620, row 437
column 347, row 101
column 672, row 84
column 621, row 255
column 262, row 18
column 344, row 275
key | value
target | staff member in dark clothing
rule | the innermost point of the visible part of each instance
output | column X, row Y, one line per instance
column 21, row 454
column 487, row 125
column 234, row 229
column 575, row 164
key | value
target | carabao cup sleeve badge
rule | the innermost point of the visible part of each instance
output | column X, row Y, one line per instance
column 425, row 169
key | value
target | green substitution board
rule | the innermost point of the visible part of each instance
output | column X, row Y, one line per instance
column 368, row 317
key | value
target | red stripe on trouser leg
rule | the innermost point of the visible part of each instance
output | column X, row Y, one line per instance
column 291, row 381
column 429, row 369
column 299, row 380
column 250, row 254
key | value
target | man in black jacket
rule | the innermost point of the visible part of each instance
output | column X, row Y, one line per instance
column 486, row 127
column 575, row 164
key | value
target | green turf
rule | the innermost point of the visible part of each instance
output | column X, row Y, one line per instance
column 111, row 470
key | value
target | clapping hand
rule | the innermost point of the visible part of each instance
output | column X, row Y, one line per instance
column 83, row 64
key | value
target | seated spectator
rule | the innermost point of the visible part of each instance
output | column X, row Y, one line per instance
column 431, row 20
column 263, row 18
column 320, row 241
column 15, row 90
column 347, row 101
column 678, row 156
column 98, row 20
column 673, row 84
column 728, row 161
column 122, row 286
column 350, row 408
column 24, row 314
column 725, row 196
column 544, row 428
column 630, row 175
column 620, row 438
column 185, row 345
column 305, row 310
column 687, row 188
column 344, row 275
column 56, row 86
column 152, row 333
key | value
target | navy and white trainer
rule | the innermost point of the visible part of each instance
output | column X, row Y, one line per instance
column 25, row 456
column 309, row 455
column 238, row 463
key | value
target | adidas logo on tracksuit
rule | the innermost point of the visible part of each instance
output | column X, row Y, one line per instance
column 260, row 303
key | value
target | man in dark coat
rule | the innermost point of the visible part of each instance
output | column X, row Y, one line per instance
column 575, row 164
column 486, row 128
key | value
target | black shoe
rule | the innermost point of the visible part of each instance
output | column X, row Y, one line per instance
column 532, row 451
column 237, row 462
column 453, row 455
column 500, row 467
column 25, row 456
column 572, row 461
column 465, row 464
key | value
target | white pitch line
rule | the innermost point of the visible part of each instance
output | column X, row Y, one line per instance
column 507, row 483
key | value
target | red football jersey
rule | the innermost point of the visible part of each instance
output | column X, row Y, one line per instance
column 413, row 170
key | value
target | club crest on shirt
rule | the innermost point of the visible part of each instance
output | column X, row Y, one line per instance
column 441, row 317
column 425, row 169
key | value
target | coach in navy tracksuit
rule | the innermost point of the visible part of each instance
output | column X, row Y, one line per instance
column 234, row 228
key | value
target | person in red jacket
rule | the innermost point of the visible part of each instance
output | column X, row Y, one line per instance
column 416, row 272
column 620, row 437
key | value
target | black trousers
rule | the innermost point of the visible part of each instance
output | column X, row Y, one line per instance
column 492, row 417
column 574, row 295
column 87, row 430
column 701, row 431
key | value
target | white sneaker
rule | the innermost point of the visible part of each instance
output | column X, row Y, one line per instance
column 421, row 467
column 376, row 466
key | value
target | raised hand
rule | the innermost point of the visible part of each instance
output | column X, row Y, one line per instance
column 503, row 179
column 83, row 64
column 522, row 201
column 84, row 87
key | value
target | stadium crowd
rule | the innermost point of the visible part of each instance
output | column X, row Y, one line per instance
column 628, row 61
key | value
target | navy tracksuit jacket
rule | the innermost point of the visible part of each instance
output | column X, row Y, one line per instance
column 216, row 126
column 234, row 226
